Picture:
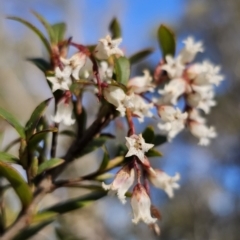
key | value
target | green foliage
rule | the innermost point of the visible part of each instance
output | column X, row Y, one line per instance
column 105, row 159
column 139, row 56
column 167, row 41
column 49, row 164
column 115, row 29
column 122, row 70
column 59, row 30
column 7, row 157
column 40, row 63
column 13, row 121
column 148, row 135
column 159, row 140
column 17, row 182
column 153, row 153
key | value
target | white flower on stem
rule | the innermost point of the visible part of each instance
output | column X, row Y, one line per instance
column 194, row 115
column 141, row 206
column 105, row 71
column 203, row 101
column 140, row 108
column 173, row 66
column 202, row 132
column 61, row 80
column 122, row 182
column 107, row 47
column 64, row 112
column 143, row 83
column 190, row 50
column 116, row 96
column 162, row 180
column 173, row 90
column 137, row 146
column 173, row 120
column 76, row 62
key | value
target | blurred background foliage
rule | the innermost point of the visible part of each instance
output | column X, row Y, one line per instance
column 208, row 204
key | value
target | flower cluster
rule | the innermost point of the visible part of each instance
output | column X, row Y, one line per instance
column 140, row 201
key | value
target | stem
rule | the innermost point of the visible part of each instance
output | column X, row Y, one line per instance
column 131, row 130
column 138, row 170
column 54, row 141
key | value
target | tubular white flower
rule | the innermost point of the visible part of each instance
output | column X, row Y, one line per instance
column 64, row 112
column 123, row 181
column 141, row 206
column 107, row 47
column 61, row 80
column 173, row 120
column 105, row 71
column 173, row 66
column 190, row 50
column 142, row 83
column 162, row 180
column 76, row 62
column 202, row 132
column 173, row 90
column 137, row 146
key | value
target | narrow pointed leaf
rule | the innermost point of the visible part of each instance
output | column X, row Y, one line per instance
column 153, row 153
column 159, row 140
column 47, row 26
column 122, row 70
column 148, row 135
column 137, row 57
column 68, row 133
column 76, row 203
column 40, row 63
column 7, row 157
column 115, row 29
column 104, row 176
column 167, row 41
column 59, row 30
column 11, row 144
column 39, row 136
column 105, row 160
column 34, row 29
column 19, row 185
column 49, row 164
column 114, row 162
column 35, row 117
column 40, row 217
column 11, row 120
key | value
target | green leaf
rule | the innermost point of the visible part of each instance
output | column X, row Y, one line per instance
column 159, row 140
column 32, row 230
column 137, row 57
column 34, row 29
column 167, row 41
column 11, row 120
column 59, row 30
column 122, row 69
column 114, row 162
column 104, row 176
column 11, row 144
column 6, row 157
column 148, row 135
column 19, row 185
column 39, row 136
column 105, row 160
column 45, row 23
column 153, row 153
column 49, row 164
column 35, row 117
column 43, row 216
column 40, row 63
column 76, row 203
column 93, row 145
column 115, row 29
column 68, row 133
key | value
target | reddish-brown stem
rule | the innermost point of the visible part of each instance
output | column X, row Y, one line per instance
column 138, row 170
column 131, row 130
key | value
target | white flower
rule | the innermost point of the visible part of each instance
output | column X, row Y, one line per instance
column 137, row 146
column 162, row 180
column 107, row 47
column 202, row 132
column 172, row 91
column 116, row 96
column 142, row 83
column 190, row 50
column 76, row 62
column 105, row 71
column 61, row 80
column 64, row 112
column 174, row 120
column 202, row 100
column 140, row 108
column 195, row 116
column 122, row 182
column 141, row 205
column 173, row 67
